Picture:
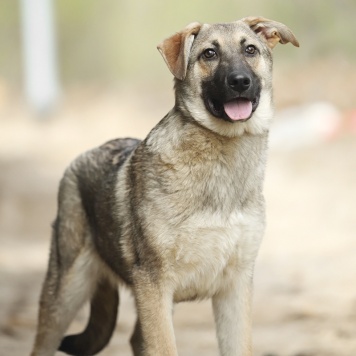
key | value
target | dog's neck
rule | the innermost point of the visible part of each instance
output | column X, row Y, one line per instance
column 209, row 158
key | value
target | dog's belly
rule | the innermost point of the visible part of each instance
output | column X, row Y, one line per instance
column 207, row 258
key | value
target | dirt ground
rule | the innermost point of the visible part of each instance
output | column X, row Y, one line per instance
column 305, row 280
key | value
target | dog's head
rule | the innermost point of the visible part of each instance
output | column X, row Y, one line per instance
column 223, row 72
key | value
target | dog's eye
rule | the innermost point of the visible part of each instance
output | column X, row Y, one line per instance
column 251, row 50
column 209, row 53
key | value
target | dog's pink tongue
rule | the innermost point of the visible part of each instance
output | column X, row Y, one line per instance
column 238, row 109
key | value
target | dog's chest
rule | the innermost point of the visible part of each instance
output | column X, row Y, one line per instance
column 208, row 251
column 208, row 212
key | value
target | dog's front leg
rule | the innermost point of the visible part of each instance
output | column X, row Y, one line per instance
column 232, row 312
column 154, row 307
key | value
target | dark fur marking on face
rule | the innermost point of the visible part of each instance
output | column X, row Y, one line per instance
column 216, row 92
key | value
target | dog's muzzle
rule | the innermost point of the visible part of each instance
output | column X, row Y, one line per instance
column 239, row 108
column 238, row 98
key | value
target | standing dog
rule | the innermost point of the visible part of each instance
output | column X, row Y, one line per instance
column 178, row 216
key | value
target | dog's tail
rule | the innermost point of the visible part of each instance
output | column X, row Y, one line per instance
column 101, row 325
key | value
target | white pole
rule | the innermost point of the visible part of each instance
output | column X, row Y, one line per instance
column 39, row 53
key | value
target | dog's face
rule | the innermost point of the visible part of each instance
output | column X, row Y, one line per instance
column 224, row 73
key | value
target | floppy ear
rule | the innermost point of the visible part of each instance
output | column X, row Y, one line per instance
column 176, row 49
column 272, row 31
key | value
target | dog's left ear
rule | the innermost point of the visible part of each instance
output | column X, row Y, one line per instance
column 176, row 49
column 272, row 31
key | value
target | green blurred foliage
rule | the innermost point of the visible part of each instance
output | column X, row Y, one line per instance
column 109, row 41
column 10, row 41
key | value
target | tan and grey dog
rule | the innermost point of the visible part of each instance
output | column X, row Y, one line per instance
column 178, row 216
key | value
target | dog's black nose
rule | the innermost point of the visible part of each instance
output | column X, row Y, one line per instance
column 238, row 81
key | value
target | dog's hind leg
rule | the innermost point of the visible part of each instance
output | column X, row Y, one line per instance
column 73, row 277
column 64, row 291
column 63, row 296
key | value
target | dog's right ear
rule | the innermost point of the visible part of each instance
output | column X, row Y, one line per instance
column 175, row 50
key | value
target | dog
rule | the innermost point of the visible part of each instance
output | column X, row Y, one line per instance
column 178, row 216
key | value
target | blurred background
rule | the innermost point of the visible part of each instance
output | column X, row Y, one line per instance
column 74, row 74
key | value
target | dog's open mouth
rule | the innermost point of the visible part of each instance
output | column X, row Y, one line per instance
column 237, row 109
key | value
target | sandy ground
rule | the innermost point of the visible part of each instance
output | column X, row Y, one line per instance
column 305, row 289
